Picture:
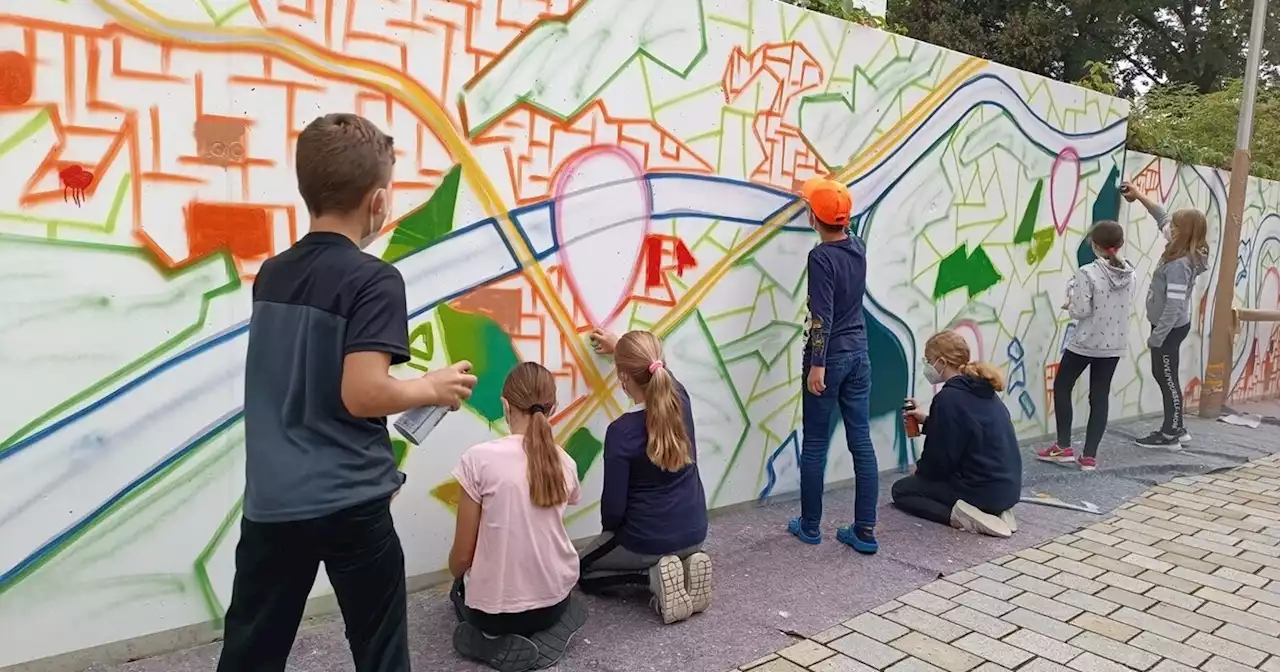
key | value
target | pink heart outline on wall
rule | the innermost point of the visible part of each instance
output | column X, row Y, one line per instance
column 1068, row 154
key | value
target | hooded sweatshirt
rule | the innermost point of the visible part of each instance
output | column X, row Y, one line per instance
column 1169, row 297
column 1098, row 297
column 837, row 285
column 970, row 444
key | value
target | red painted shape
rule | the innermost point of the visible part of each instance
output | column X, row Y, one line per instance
column 655, row 251
column 243, row 229
column 652, row 262
column 75, row 181
column 16, row 81
column 684, row 258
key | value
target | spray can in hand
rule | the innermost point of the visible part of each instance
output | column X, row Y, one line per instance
column 910, row 423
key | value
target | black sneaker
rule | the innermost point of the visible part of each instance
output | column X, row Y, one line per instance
column 1160, row 440
column 505, row 653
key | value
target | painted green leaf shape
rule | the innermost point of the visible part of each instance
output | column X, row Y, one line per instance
column 479, row 340
column 429, row 222
column 1028, row 225
column 584, row 448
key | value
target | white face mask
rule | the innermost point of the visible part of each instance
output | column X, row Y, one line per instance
column 931, row 373
column 375, row 221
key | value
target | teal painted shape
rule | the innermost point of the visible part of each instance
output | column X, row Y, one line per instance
column 1106, row 207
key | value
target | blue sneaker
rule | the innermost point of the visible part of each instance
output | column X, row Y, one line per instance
column 863, row 540
column 795, row 528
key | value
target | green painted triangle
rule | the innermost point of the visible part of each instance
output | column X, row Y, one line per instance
column 429, row 222
column 1028, row 225
column 982, row 273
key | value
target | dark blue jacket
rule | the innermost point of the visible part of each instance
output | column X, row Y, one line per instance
column 970, row 443
column 837, row 284
column 652, row 512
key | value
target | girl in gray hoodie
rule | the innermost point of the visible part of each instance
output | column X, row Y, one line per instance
column 1098, row 297
column 1185, row 257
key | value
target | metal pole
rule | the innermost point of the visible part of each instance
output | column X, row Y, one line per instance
column 1217, row 374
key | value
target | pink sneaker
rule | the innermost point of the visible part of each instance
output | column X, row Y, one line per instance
column 1088, row 464
column 1056, row 454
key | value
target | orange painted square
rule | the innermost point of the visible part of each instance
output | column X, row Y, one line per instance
column 244, row 230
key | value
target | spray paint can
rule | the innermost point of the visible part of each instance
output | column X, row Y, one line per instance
column 909, row 422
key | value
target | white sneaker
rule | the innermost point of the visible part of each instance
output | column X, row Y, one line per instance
column 1010, row 521
column 970, row 518
column 1185, row 437
column 697, row 580
column 666, row 582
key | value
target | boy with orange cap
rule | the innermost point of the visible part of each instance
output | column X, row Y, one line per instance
column 837, row 368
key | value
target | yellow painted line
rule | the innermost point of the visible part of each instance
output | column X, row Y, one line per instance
column 427, row 108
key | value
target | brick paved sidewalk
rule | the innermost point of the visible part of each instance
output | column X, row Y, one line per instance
column 1185, row 577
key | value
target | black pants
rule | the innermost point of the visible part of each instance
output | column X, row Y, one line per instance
column 927, row 499
column 276, row 565
column 524, row 623
column 1165, row 362
column 1101, row 370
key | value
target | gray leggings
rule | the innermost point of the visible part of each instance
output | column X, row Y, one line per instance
column 605, row 563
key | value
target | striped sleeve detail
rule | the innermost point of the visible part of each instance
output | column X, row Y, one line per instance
column 1177, row 292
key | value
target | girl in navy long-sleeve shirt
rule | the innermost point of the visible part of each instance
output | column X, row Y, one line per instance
column 653, row 510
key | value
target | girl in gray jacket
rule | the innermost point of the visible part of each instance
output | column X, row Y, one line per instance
column 1098, row 297
column 1185, row 257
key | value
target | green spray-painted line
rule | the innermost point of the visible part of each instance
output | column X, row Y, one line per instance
column 109, row 226
column 115, row 508
column 211, row 601
column 110, row 525
column 138, row 363
column 220, row 19
column 25, row 131
column 589, row 98
column 737, row 400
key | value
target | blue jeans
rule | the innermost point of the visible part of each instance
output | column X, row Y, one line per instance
column 848, row 378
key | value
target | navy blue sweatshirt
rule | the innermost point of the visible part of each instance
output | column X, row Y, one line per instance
column 652, row 512
column 837, row 283
column 970, row 443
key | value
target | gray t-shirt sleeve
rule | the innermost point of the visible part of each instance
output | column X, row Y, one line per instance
column 1162, row 217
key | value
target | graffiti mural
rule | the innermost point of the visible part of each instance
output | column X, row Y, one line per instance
column 1255, row 365
column 553, row 174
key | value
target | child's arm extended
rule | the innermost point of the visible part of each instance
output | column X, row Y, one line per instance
column 1157, row 211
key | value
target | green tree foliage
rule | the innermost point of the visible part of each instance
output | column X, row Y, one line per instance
column 1197, row 42
column 1181, row 123
column 847, row 10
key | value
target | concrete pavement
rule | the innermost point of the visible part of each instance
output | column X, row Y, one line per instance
column 1184, row 577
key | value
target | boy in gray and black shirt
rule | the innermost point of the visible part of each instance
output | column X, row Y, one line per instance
column 328, row 323
column 1185, row 257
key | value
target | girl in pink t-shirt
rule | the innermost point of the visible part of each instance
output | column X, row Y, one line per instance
column 513, row 562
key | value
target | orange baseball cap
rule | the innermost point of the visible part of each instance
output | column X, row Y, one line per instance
column 828, row 200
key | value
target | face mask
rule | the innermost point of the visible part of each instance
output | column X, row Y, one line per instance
column 931, row 373
column 375, row 221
